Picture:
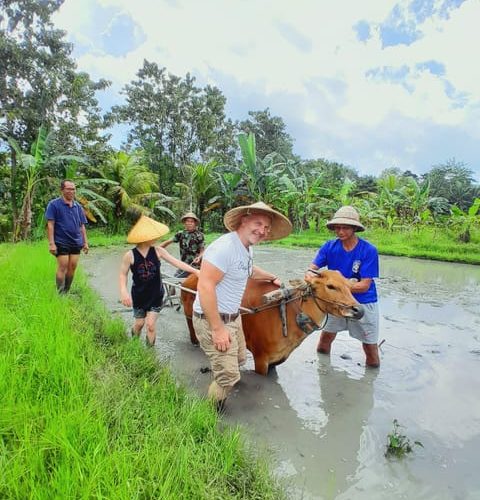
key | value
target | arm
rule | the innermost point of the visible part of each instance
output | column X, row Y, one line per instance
column 360, row 286
column 368, row 273
column 210, row 276
column 261, row 274
column 198, row 258
column 125, row 297
column 201, row 243
column 52, row 248
column 163, row 254
column 165, row 243
column 83, row 231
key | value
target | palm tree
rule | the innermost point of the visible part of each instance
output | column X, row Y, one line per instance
column 201, row 187
column 88, row 193
column 135, row 186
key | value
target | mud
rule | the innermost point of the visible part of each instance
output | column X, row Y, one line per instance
column 325, row 420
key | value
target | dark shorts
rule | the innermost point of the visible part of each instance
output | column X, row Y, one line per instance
column 138, row 312
column 68, row 250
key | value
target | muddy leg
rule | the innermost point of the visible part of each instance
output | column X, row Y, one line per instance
column 372, row 357
column 325, row 342
column 150, row 323
column 137, row 327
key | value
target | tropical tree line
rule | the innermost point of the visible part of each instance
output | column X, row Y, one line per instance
column 181, row 151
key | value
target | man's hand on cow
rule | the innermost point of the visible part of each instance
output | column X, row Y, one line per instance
column 221, row 339
column 309, row 273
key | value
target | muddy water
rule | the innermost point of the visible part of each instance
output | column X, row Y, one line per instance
column 326, row 420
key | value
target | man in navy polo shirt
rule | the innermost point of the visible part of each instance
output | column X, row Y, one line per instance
column 66, row 234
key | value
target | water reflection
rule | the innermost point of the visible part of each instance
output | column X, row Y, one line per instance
column 327, row 422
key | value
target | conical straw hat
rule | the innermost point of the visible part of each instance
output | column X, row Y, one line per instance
column 281, row 226
column 146, row 229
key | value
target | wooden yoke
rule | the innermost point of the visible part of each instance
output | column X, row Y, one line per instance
column 284, row 293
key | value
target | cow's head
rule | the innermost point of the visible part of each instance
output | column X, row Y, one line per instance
column 332, row 294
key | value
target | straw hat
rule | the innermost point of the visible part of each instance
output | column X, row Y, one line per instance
column 146, row 229
column 281, row 226
column 190, row 215
column 347, row 216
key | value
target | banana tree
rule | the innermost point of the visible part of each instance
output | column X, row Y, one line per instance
column 466, row 219
column 34, row 166
column 252, row 168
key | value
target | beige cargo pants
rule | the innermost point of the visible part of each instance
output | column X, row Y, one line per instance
column 225, row 365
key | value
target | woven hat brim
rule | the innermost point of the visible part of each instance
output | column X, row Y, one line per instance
column 190, row 215
column 281, row 226
column 345, row 222
column 146, row 229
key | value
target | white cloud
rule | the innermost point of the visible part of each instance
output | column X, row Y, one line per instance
column 309, row 51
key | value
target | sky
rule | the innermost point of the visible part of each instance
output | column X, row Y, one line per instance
column 372, row 84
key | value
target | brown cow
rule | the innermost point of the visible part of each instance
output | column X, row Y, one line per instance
column 266, row 338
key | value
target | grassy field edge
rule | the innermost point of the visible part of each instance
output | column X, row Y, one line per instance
column 87, row 413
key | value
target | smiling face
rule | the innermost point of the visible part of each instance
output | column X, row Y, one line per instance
column 254, row 228
column 190, row 224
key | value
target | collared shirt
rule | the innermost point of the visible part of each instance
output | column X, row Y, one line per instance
column 360, row 262
column 191, row 244
column 68, row 221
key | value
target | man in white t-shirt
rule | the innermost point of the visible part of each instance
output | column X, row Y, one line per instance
column 226, row 266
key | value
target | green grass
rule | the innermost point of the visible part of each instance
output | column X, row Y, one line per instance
column 423, row 243
column 426, row 243
column 86, row 413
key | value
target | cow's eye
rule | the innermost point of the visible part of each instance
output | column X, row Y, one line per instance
column 331, row 287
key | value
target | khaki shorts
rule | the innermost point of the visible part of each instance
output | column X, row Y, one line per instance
column 225, row 365
column 365, row 329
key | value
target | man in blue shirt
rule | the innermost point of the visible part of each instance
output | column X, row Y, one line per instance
column 357, row 260
column 66, row 234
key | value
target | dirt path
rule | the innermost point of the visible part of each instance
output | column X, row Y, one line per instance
column 326, row 420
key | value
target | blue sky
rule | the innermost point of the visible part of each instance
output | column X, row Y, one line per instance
column 371, row 84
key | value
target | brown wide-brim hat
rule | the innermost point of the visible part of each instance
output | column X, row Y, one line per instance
column 146, row 229
column 281, row 226
column 190, row 215
column 346, row 216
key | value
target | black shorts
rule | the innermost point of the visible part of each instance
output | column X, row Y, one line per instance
column 67, row 250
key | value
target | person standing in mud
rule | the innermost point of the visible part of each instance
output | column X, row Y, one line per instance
column 226, row 266
column 144, row 263
column 357, row 260
column 191, row 242
column 67, row 235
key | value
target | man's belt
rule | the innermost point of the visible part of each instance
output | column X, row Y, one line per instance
column 225, row 317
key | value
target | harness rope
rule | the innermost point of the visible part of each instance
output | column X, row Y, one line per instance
column 302, row 319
